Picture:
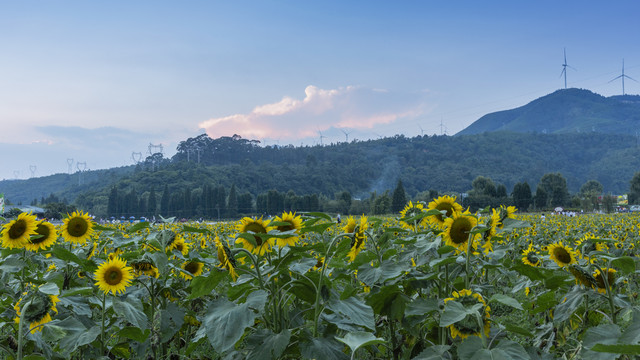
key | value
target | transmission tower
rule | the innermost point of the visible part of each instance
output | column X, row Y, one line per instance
column 155, row 149
column 136, row 157
column 81, row 166
column 70, row 163
column 32, row 168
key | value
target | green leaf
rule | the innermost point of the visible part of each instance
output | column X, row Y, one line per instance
column 517, row 329
column 507, row 300
column 510, row 224
column 602, row 334
column 303, row 265
column 389, row 301
column 171, row 320
column 319, row 215
column 631, row 334
column 78, row 291
column 469, row 347
column 224, row 322
column 66, row 255
column 49, row 289
column 574, row 300
column 358, row 339
column 137, row 227
column 473, row 349
column 626, row 264
column 454, row 312
column 388, row 270
column 160, row 259
column 132, row 311
column 134, row 333
column 77, row 334
column 617, row 349
column 204, row 285
column 421, row 307
column 191, row 229
column 446, row 249
column 544, row 301
column 322, row 348
column 267, row 344
column 12, row 265
column 320, row 228
column 355, row 310
column 435, row 352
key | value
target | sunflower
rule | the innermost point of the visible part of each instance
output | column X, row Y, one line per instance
column 46, row 236
column 179, row 244
column 77, row 228
column 443, row 203
column 294, row 223
column 531, row 256
column 561, row 254
column 359, row 236
column 17, row 232
column 39, row 311
column 113, row 275
column 141, row 268
column 611, row 278
column 225, row 257
column 506, row 212
column 259, row 246
column 469, row 325
column 194, row 268
column 582, row 276
column 409, row 211
column 491, row 223
column 457, row 230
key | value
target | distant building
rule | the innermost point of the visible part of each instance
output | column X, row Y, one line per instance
column 38, row 211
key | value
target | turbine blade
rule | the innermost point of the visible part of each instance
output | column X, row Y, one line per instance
column 629, row 77
column 615, row 78
column 562, row 72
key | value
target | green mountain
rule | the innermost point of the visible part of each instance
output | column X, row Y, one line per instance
column 442, row 163
column 566, row 111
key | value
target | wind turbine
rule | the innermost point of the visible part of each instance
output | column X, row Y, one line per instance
column 321, row 137
column 346, row 134
column 622, row 77
column 564, row 68
column 421, row 130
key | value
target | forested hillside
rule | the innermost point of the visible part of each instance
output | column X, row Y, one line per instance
column 360, row 168
column 566, row 111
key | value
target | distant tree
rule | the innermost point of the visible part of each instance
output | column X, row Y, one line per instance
column 501, row 191
column 483, row 186
column 522, row 198
column 590, row 188
column 164, row 201
column 57, row 210
column 634, row 190
column 232, row 203
column 608, row 202
column 245, row 203
column 152, row 203
column 399, row 198
column 555, row 187
column 382, row 204
column 112, row 204
column 540, row 198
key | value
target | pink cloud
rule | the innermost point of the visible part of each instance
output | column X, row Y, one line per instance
column 346, row 107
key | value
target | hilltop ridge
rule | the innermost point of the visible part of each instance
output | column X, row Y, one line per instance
column 565, row 111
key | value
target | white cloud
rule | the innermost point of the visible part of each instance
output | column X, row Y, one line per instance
column 346, row 107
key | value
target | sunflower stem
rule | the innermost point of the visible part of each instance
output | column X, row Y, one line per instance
column 316, row 306
column 104, row 300
column 21, row 329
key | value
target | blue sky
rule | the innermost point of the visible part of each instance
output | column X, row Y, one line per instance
column 96, row 81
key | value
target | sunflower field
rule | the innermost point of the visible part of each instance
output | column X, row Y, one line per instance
column 433, row 282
